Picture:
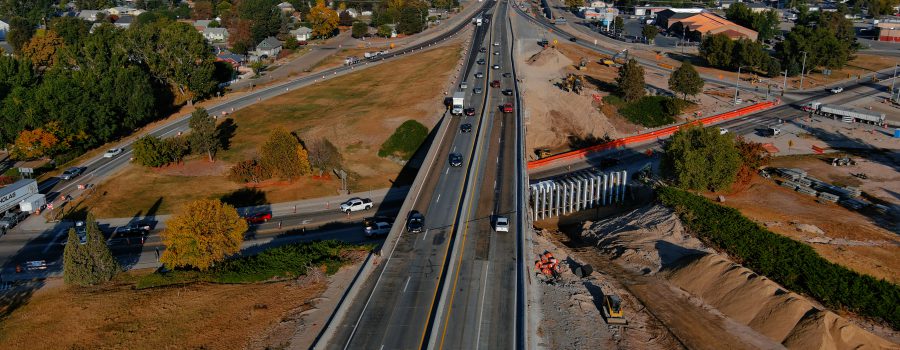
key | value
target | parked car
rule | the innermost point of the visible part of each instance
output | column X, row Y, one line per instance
column 71, row 173
column 415, row 222
column 482, row 50
column 356, row 204
column 378, row 229
column 723, row 131
column 258, row 218
column 456, row 160
column 36, row 265
column 132, row 230
column 11, row 219
column 112, row 152
column 469, row 111
column 501, row 224
column 465, row 128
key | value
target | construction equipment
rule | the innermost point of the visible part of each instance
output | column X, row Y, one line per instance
column 845, row 161
column 547, row 267
column 543, row 153
column 608, row 62
column 573, row 83
column 582, row 64
column 624, row 52
column 612, row 310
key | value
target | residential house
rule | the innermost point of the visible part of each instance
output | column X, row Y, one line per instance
column 599, row 4
column 215, row 35
column 236, row 61
column 366, row 13
column 353, row 12
column 705, row 23
column 202, row 24
column 438, row 13
column 124, row 21
column 302, row 34
column 124, row 10
column 269, row 47
column 757, row 7
column 91, row 15
column 4, row 27
column 286, row 7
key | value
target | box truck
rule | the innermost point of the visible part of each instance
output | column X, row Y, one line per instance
column 459, row 98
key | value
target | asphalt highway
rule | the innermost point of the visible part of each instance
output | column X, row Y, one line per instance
column 396, row 314
column 481, row 308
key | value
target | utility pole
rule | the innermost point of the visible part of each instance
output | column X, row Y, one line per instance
column 784, row 84
column 803, row 70
column 894, row 79
column 737, row 83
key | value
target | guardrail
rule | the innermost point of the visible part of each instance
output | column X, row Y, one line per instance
column 649, row 136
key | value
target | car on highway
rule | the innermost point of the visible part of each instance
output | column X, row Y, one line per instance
column 258, row 218
column 501, row 224
column 495, row 84
column 477, row 90
column 496, row 43
column 496, row 53
column 496, row 66
column 456, row 160
column 480, row 61
column 573, row 39
column 465, row 128
column 837, row 90
column 415, row 222
column 508, row 92
column 469, row 111
column 507, row 75
column 71, row 173
column 507, row 108
column 378, row 229
column 482, row 50
column 356, row 204
column 479, row 75
column 112, row 152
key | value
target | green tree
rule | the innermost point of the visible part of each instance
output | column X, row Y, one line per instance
column 203, row 137
column 764, row 23
column 574, row 4
column 205, row 232
column 717, row 50
column 748, row 53
column 686, row 80
column 618, row 25
column 73, row 30
column 649, row 32
column 385, row 31
column 290, row 43
column 324, row 21
column 345, row 19
column 631, row 80
column 20, row 32
column 284, row 156
column 701, row 159
column 360, row 30
column 155, row 152
column 411, row 21
column 90, row 263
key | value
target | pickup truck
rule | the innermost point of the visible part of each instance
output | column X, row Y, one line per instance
column 11, row 219
column 356, row 204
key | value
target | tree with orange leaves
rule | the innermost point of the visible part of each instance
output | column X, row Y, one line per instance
column 206, row 232
column 31, row 144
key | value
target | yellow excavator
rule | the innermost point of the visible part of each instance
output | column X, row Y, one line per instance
column 612, row 309
column 543, row 153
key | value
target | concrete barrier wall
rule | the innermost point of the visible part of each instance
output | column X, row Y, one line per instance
column 649, row 136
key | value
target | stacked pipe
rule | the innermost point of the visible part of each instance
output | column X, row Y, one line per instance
column 548, row 265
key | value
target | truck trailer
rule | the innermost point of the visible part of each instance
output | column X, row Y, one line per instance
column 846, row 114
column 459, row 98
column 13, row 194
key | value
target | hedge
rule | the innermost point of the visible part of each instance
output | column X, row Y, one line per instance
column 792, row 264
column 405, row 140
column 651, row 111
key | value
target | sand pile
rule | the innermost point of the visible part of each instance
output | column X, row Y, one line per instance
column 646, row 239
column 767, row 307
column 549, row 55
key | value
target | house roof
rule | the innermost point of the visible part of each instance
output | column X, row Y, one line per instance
column 268, row 43
column 87, row 14
column 202, row 23
column 285, row 5
column 756, row 5
column 125, row 19
column 230, row 56
column 215, row 31
column 301, row 30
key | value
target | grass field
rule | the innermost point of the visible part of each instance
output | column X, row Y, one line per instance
column 356, row 112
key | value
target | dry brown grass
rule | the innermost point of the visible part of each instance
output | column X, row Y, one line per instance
column 356, row 112
column 207, row 316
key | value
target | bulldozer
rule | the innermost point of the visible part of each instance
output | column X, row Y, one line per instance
column 573, row 83
column 612, row 310
column 543, row 153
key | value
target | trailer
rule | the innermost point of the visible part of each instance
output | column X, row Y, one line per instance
column 13, row 194
column 33, row 203
column 846, row 114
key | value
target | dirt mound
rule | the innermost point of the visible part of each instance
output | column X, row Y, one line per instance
column 765, row 306
column 549, row 55
column 646, row 239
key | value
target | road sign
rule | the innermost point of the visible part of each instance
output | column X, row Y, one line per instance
column 555, row 42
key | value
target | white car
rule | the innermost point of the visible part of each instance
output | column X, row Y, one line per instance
column 496, row 43
column 479, row 75
column 476, row 90
column 723, row 131
column 501, row 224
column 836, row 90
column 112, row 152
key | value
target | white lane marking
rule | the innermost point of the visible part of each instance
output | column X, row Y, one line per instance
column 454, row 149
column 495, row 184
column 53, row 242
column 425, row 235
column 407, row 283
column 447, row 172
column 481, row 308
column 438, row 198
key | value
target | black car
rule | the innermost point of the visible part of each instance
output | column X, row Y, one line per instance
column 415, row 222
column 573, row 39
column 483, row 49
column 469, row 111
column 507, row 75
column 480, row 61
column 456, row 160
column 137, row 229
column 508, row 92
column 465, row 128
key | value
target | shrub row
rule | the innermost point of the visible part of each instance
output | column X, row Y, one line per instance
column 793, row 264
column 651, row 111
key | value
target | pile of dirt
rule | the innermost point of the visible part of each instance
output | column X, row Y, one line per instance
column 651, row 240
column 768, row 308
column 645, row 240
column 549, row 55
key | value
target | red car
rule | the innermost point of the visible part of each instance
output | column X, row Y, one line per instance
column 258, row 218
column 495, row 84
column 507, row 108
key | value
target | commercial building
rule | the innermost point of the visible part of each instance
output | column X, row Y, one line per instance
column 889, row 31
column 704, row 23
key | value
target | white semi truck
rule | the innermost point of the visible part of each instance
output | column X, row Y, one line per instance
column 13, row 194
column 846, row 114
column 459, row 98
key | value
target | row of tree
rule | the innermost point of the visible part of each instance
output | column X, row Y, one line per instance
column 764, row 23
column 86, row 89
column 284, row 156
column 685, row 80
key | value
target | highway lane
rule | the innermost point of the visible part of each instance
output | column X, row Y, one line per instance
column 482, row 304
column 396, row 313
column 99, row 168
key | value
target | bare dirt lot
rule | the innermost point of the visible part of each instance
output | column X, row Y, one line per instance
column 197, row 316
column 356, row 112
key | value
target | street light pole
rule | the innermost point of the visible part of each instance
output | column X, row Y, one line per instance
column 737, row 83
column 802, row 70
column 894, row 80
column 784, row 84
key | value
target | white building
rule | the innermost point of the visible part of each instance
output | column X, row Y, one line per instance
column 302, row 33
column 286, row 7
column 91, row 15
column 124, row 10
column 215, row 34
